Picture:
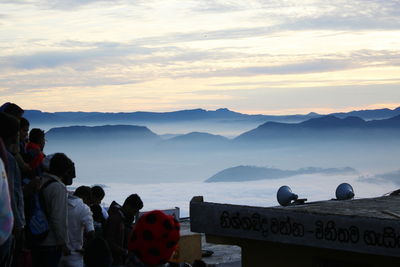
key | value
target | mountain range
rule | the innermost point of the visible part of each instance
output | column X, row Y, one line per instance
column 220, row 115
column 252, row 173
column 324, row 127
column 374, row 114
column 321, row 127
column 106, row 132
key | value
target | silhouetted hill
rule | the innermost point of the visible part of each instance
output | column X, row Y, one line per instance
column 45, row 117
column 221, row 115
column 251, row 173
column 107, row 132
column 387, row 123
column 196, row 140
column 198, row 137
column 182, row 115
column 376, row 114
column 326, row 127
column 328, row 122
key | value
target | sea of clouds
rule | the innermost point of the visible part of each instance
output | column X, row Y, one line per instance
column 253, row 193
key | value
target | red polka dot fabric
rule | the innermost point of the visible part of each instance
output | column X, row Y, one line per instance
column 154, row 238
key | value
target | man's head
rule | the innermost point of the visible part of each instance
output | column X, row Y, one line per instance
column 36, row 136
column 132, row 205
column 85, row 193
column 9, row 128
column 97, row 194
column 63, row 167
column 12, row 109
column 23, row 129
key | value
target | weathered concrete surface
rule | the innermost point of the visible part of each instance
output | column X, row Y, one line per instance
column 362, row 231
column 364, row 225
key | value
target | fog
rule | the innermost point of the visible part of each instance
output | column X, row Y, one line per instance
column 229, row 129
column 254, row 193
column 168, row 174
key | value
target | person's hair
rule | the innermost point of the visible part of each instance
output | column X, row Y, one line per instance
column 59, row 164
column 36, row 135
column 23, row 122
column 97, row 213
column 9, row 126
column 134, row 201
column 98, row 192
column 12, row 109
column 83, row 191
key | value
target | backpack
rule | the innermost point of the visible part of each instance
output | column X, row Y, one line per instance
column 37, row 223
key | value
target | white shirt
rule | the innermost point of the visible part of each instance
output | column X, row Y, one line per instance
column 80, row 220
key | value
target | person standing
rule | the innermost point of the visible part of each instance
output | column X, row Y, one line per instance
column 9, row 127
column 119, row 225
column 48, row 252
column 80, row 222
column 34, row 150
column 97, row 196
column 6, row 214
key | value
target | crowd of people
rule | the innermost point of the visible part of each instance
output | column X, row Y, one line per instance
column 42, row 224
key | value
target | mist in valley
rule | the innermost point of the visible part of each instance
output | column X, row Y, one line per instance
column 168, row 170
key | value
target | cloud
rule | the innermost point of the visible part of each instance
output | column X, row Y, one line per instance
column 389, row 177
column 212, row 6
column 206, row 35
column 89, row 55
column 63, row 5
column 102, row 52
column 253, row 193
column 278, row 15
column 315, row 66
column 334, row 22
column 268, row 98
column 322, row 63
column 107, row 64
column 311, row 66
column 61, row 78
column 333, row 15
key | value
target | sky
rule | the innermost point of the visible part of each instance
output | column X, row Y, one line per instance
column 253, row 56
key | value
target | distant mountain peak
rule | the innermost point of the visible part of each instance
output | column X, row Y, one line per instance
column 103, row 131
column 322, row 128
column 333, row 121
column 223, row 110
column 224, row 115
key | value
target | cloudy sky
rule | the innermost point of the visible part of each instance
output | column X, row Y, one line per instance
column 254, row 56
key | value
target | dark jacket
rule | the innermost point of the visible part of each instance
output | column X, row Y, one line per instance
column 117, row 230
column 36, row 157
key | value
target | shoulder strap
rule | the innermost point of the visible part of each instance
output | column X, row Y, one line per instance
column 41, row 196
column 46, row 184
